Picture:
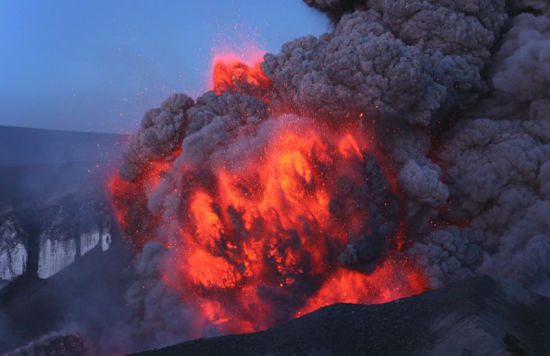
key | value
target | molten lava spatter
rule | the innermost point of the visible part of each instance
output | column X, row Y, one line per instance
column 284, row 216
column 230, row 73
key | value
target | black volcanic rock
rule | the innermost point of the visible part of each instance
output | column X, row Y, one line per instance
column 480, row 316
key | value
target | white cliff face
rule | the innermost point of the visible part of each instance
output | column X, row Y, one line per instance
column 13, row 261
column 106, row 239
column 55, row 254
column 63, row 238
column 57, row 250
column 88, row 241
column 13, row 253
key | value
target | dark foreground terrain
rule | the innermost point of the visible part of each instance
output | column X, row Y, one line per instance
column 481, row 316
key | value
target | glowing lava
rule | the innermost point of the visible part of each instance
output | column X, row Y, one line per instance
column 305, row 219
column 230, row 72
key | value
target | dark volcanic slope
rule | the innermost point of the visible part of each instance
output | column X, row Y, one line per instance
column 484, row 315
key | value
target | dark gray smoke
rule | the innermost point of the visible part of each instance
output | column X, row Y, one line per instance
column 498, row 169
column 408, row 61
column 160, row 134
column 155, row 316
column 538, row 6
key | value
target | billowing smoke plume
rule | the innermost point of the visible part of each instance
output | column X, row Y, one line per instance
column 497, row 164
column 408, row 61
column 160, row 135
column 430, row 130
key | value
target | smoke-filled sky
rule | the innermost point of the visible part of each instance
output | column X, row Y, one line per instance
column 97, row 66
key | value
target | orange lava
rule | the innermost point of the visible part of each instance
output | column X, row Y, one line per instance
column 230, row 71
column 393, row 280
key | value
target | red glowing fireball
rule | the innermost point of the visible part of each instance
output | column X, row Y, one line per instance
column 261, row 244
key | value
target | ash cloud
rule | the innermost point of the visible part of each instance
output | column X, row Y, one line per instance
column 537, row 6
column 155, row 315
column 423, row 183
column 160, row 134
column 406, row 61
column 498, row 158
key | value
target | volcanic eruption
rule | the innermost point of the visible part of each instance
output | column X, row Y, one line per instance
column 366, row 165
column 269, row 215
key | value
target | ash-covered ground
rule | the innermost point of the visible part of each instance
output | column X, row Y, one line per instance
column 404, row 150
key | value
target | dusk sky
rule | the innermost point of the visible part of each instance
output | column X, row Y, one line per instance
column 98, row 65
